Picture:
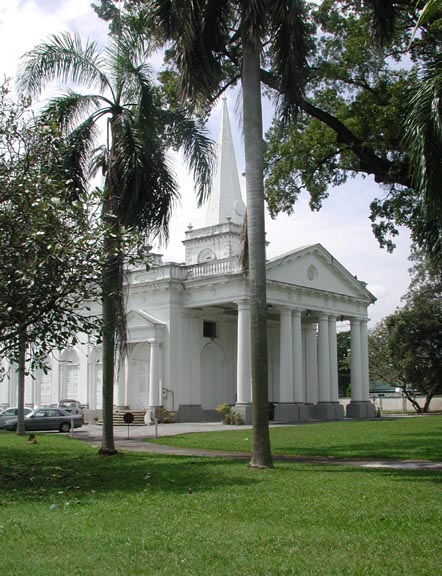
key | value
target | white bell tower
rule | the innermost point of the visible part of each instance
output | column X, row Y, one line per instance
column 221, row 237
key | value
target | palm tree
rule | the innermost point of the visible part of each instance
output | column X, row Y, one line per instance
column 139, row 187
column 423, row 138
column 204, row 35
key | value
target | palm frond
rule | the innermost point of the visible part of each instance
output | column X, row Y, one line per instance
column 198, row 32
column 254, row 20
column 431, row 9
column 290, row 49
column 62, row 58
column 197, row 146
column 76, row 162
column 70, row 108
column 423, row 138
column 126, row 54
column 99, row 161
column 142, row 179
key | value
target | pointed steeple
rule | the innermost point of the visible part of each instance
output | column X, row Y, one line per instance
column 225, row 203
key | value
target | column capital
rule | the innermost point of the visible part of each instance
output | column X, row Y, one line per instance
column 243, row 303
column 285, row 310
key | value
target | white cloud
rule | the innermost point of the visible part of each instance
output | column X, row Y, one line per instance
column 23, row 24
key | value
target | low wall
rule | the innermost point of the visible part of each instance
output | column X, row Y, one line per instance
column 399, row 404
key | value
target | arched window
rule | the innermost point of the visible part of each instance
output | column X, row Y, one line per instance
column 206, row 255
column 69, row 369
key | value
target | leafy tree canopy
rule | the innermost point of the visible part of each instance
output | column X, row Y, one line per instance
column 353, row 117
column 405, row 349
column 49, row 240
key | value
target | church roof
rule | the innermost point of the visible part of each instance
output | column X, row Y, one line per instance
column 315, row 267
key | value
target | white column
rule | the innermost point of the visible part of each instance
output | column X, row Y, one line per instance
column 355, row 362
column 323, row 359
column 121, row 392
column 126, row 379
column 154, row 380
column 243, row 366
column 311, row 364
column 196, row 333
column 364, row 361
column 285, row 356
column 298, row 384
column 333, row 345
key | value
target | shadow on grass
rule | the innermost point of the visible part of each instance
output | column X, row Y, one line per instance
column 57, row 465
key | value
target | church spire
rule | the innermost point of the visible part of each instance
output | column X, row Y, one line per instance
column 225, row 203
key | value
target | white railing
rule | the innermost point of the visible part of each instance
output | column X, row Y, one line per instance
column 213, row 268
column 177, row 272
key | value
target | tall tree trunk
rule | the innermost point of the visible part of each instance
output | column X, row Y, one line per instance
column 21, row 383
column 252, row 125
column 110, row 287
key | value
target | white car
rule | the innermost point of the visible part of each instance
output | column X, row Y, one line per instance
column 72, row 407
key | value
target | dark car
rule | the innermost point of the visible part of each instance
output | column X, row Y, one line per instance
column 47, row 419
column 9, row 413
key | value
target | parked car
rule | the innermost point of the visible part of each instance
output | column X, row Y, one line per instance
column 71, row 406
column 47, row 419
column 9, row 413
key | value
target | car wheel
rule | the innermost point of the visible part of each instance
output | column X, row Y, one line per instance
column 65, row 427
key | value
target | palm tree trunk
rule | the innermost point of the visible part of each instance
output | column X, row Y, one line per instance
column 109, row 294
column 252, row 125
column 21, row 383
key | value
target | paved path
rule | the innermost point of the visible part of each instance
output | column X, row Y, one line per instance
column 136, row 439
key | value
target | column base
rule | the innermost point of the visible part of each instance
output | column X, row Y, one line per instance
column 360, row 410
column 190, row 413
column 152, row 414
column 328, row 411
column 245, row 411
column 288, row 412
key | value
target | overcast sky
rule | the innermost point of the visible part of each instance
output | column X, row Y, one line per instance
column 342, row 226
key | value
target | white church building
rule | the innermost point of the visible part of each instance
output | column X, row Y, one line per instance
column 188, row 328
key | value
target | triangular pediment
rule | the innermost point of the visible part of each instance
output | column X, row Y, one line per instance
column 137, row 318
column 315, row 268
column 142, row 326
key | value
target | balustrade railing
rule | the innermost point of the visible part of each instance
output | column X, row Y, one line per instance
column 180, row 272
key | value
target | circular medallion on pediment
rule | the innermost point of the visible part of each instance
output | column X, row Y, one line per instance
column 312, row 273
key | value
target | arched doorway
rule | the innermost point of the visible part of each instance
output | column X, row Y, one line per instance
column 139, row 369
column 95, row 392
column 43, row 385
column 213, row 387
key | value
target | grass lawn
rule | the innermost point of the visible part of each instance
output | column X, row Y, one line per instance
column 65, row 510
column 404, row 438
